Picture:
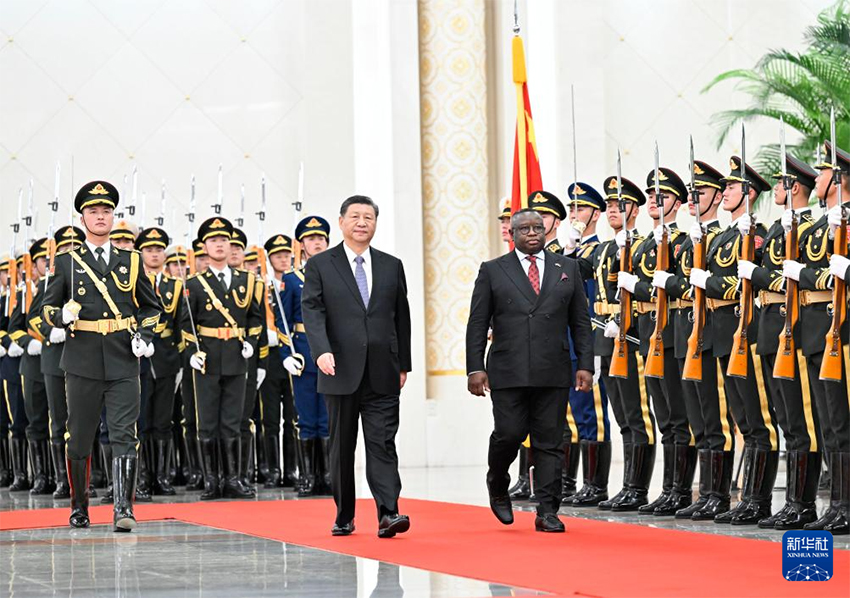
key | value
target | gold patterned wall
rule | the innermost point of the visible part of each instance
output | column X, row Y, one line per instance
column 452, row 55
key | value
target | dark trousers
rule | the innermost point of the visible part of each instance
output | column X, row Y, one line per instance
column 249, row 403
column 310, row 406
column 668, row 403
column 633, row 399
column 379, row 415
column 520, row 412
column 752, row 405
column 5, row 421
column 35, row 403
column 832, row 406
column 187, row 393
column 795, row 408
column 220, row 400
column 57, row 404
column 276, row 402
column 712, row 412
column 86, row 398
column 590, row 410
column 157, row 406
column 615, row 400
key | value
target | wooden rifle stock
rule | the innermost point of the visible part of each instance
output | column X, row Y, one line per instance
column 693, row 359
column 831, row 366
column 786, row 357
column 741, row 343
column 27, row 285
column 12, row 299
column 620, row 358
column 261, row 258
column 655, row 358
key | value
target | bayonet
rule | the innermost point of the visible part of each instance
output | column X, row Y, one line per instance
column 160, row 220
column 220, row 195
column 131, row 208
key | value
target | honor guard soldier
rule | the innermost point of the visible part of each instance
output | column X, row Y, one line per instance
column 709, row 418
column 165, row 362
column 108, row 306
column 631, row 389
column 553, row 212
column 679, row 453
column 589, row 409
column 817, row 315
column 176, row 261
column 202, row 260
column 792, row 398
column 23, row 330
column 221, row 336
column 5, row 452
column 749, row 397
column 276, row 392
column 123, row 235
column 505, row 221
column 66, row 238
column 313, row 233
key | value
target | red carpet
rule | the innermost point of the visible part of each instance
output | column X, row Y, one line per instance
column 593, row 558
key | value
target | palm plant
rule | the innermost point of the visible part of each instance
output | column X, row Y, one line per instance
column 799, row 88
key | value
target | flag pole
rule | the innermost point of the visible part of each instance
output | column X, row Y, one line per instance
column 519, row 77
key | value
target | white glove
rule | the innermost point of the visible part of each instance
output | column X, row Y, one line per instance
column 196, row 362
column 149, row 350
column 659, row 279
column 744, row 223
column 273, row 340
column 699, row 277
column 247, row 350
column 620, row 238
column 68, row 315
column 786, row 220
column 657, row 232
column 833, row 218
column 745, row 269
column 695, row 232
column 57, row 335
column 612, row 330
column 597, row 369
column 627, row 281
column 34, row 347
column 261, row 375
column 15, row 350
column 2, row 351
column 573, row 238
column 292, row 366
column 178, row 379
column 838, row 265
column 792, row 269
column 140, row 347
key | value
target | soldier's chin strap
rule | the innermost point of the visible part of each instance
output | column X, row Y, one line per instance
column 743, row 197
column 704, row 212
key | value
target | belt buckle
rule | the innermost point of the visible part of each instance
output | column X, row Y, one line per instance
column 104, row 327
column 225, row 333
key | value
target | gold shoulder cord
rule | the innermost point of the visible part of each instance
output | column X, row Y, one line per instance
column 98, row 284
column 219, row 307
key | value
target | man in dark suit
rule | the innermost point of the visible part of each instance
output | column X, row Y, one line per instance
column 530, row 297
column 357, row 319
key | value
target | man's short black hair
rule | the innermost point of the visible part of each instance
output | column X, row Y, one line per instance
column 357, row 199
column 520, row 212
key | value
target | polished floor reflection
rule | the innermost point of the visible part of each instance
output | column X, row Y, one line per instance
column 177, row 559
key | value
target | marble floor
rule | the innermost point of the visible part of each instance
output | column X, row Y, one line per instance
column 178, row 559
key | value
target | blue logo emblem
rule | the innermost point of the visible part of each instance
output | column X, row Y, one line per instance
column 807, row 556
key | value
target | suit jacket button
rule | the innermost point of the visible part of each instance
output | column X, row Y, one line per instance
column 530, row 315
column 364, row 345
column 105, row 315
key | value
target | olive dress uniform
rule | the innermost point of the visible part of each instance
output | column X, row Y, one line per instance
column 10, row 368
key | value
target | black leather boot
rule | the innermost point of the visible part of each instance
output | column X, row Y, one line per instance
column 108, row 495
column 308, row 474
column 681, row 494
column 178, row 472
column 78, row 476
column 323, row 468
column 605, row 505
column 704, row 458
column 761, row 498
column 40, row 477
column 5, row 461
column 522, row 489
column 209, row 459
column 722, row 464
column 840, row 524
column 124, row 472
column 801, row 487
column 640, row 474
column 98, row 473
column 163, row 451
column 20, row 465
column 145, row 467
column 746, row 489
column 195, row 461
column 262, row 470
column 57, row 453
column 246, row 463
column 596, row 458
column 272, row 444
column 231, row 461
column 834, row 493
column 668, row 461
column 289, row 475
column 569, row 472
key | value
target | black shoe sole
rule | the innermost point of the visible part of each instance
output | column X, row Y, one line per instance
column 398, row 527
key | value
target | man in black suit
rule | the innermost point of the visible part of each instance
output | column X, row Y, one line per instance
column 357, row 319
column 529, row 297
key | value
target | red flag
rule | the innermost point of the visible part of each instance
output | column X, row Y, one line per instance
column 526, row 173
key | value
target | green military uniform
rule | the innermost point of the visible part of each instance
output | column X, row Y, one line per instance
column 225, row 320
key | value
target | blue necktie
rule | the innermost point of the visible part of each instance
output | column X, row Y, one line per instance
column 360, row 278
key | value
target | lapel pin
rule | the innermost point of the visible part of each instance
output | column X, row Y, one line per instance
column 564, row 276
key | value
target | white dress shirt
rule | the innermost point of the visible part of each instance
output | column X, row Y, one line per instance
column 541, row 262
column 107, row 249
column 367, row 264
column 227, row 274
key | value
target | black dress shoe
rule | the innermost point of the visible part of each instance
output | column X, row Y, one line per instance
column 549, row 523
column 502, row 509
column 346, row 529
column 391, row 525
